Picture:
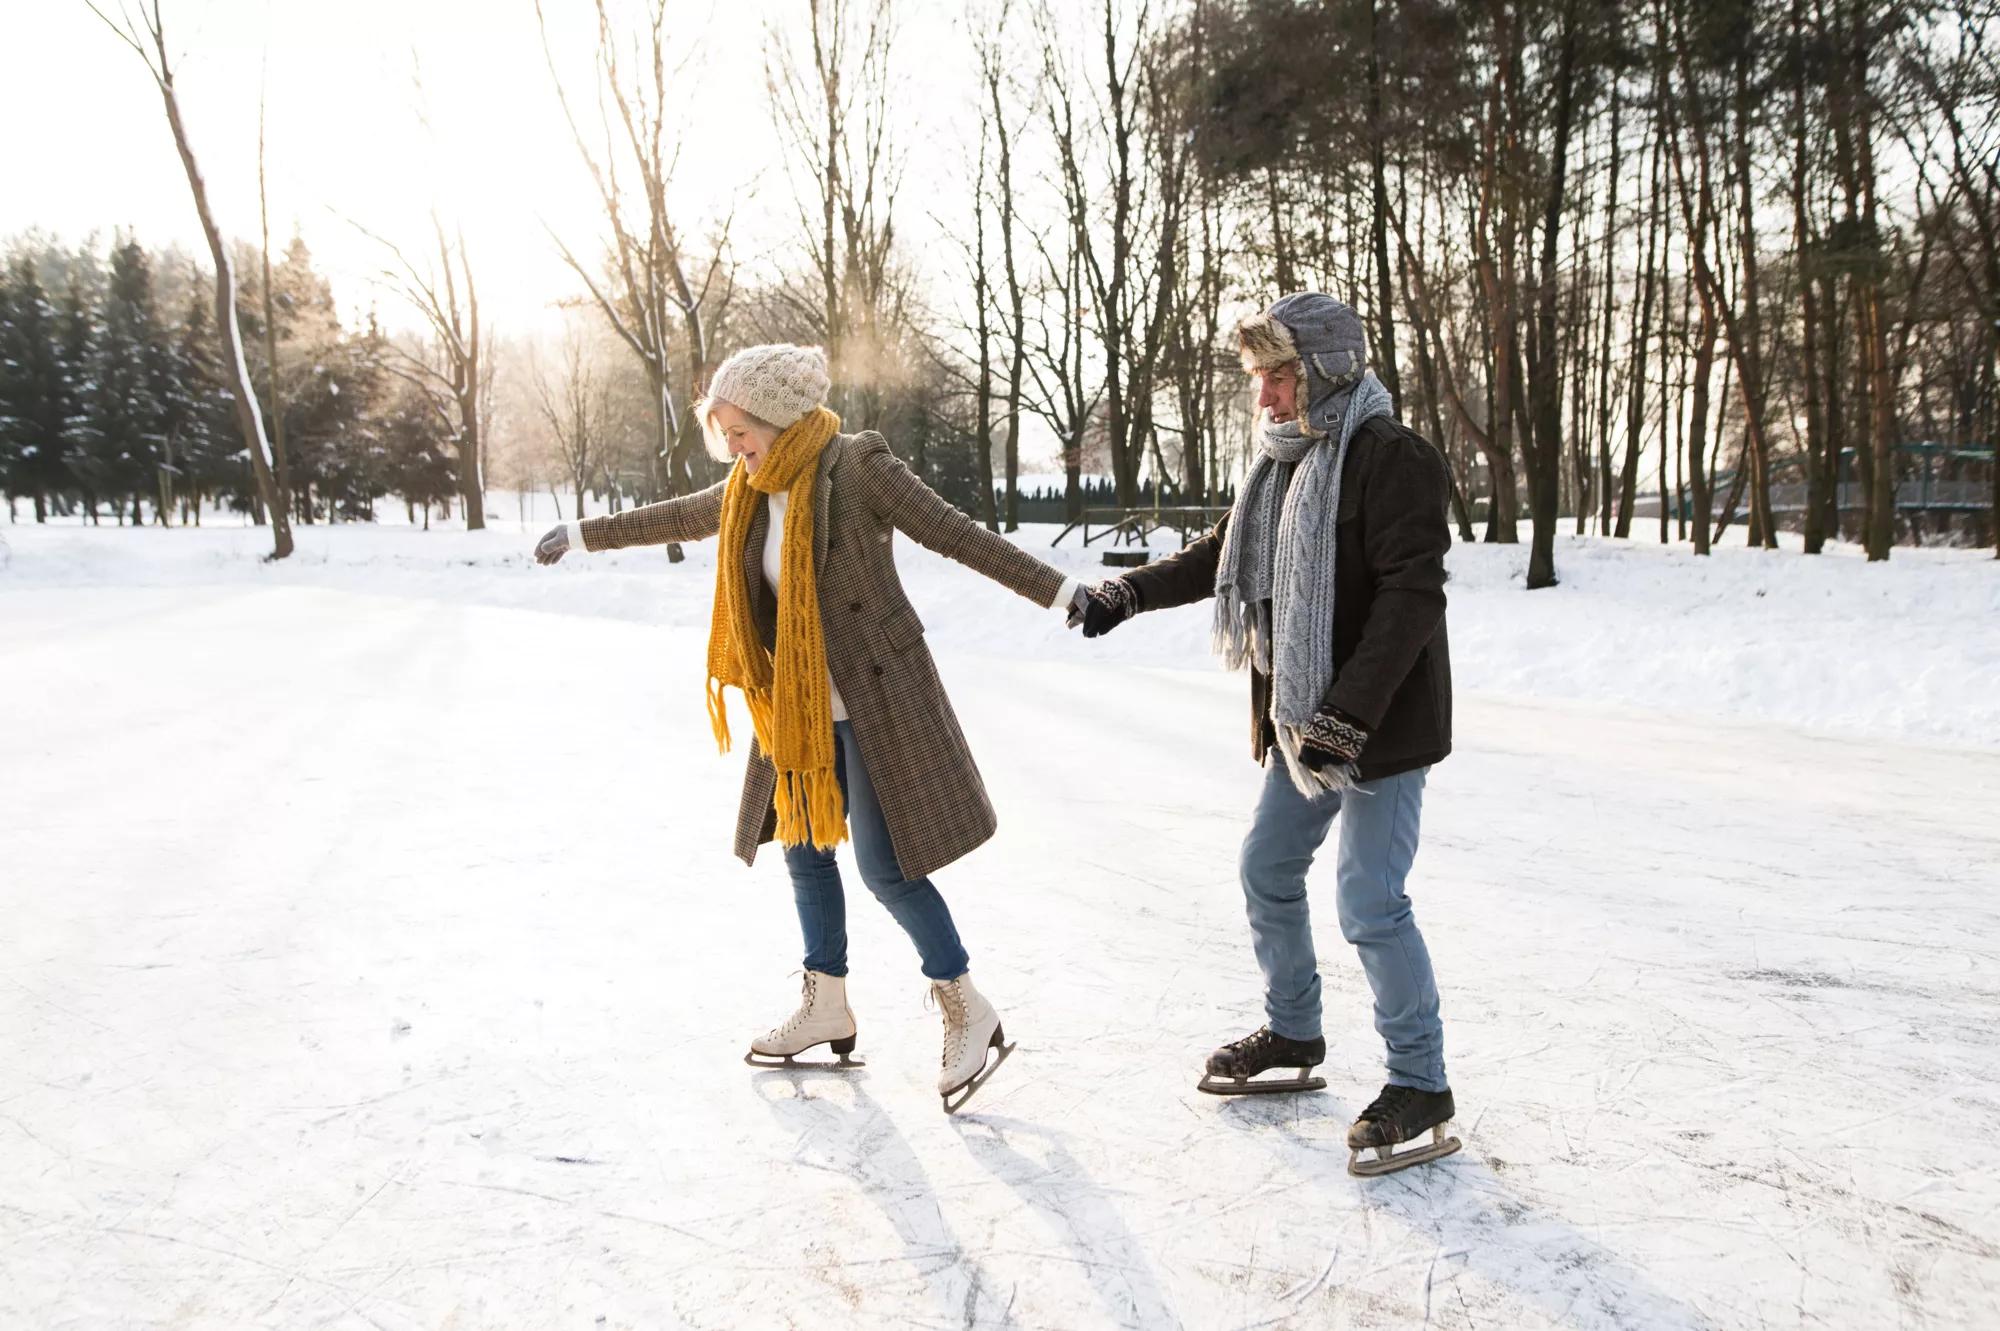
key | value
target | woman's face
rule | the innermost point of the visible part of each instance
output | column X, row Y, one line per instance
column 743, row 434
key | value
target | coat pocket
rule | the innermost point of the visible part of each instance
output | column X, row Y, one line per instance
column 900, row 629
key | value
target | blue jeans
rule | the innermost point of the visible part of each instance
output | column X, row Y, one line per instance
column 915, row 904
column 1378, row 842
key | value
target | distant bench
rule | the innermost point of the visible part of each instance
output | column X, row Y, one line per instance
column 1131, row 526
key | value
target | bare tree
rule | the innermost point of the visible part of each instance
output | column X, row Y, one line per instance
column 145, row 32
column 274, row 389
column 1953, row 132
column 1016, row 330
column 982, row 304
column 834, row 108
column 575, row 408
column 653, row 280
column 453, row 373
column 1065, row 396
column 1116, row 289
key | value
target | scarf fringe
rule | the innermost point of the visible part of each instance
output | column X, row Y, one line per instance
column 718, row 714
column 810, row 808
column 787, row 689
column 1241, row 633
column 1308, row 781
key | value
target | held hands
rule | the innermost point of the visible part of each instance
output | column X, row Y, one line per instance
column 1332, row 740
column 554, row 545
column 1104, row 607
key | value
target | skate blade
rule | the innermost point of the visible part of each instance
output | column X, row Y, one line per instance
column 1388, row 1160
column 1215, row 1085
column 965, row 1089
column 782, row 1061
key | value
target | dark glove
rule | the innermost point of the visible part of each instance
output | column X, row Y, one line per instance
column 1104, row 607
column 1332, row 739
column 554, row 545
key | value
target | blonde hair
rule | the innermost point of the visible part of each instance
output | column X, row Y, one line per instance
column 711, row 433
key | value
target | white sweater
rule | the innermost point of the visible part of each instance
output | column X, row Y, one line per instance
column 774, row 560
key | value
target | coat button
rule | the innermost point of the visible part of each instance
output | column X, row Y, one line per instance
column 878, row 670
column 854, row 606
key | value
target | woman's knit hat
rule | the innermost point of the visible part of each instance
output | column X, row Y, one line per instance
column 777, row 383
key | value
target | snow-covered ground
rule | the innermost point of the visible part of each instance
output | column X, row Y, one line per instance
column 372, row 956
column 1907, row 649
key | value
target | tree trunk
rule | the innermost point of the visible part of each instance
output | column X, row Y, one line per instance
column 1606, row 407
column 1385, row 317
column 983, row 388
column 1017, row 330
column 1697, row 438
column 249, row 418
column 1746, row 333
column 1879, row 535
column 1642, row 332
column 277, row 403
column 1813, row 520
column 1543, row 445
column 663, row 444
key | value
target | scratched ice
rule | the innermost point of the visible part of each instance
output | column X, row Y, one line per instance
column 372, row 956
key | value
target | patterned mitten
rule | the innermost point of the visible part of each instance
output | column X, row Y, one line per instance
column 1331, row 739
column 1105, row 606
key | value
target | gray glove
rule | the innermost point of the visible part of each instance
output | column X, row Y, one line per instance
column 554, row 545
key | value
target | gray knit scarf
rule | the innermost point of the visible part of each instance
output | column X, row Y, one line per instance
column 1274, row 582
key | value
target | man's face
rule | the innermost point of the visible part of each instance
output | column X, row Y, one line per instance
column 1278, row 393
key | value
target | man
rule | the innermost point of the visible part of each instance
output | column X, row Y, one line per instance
column 1329, row 578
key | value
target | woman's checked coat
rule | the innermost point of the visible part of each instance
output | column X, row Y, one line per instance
column 917, row 758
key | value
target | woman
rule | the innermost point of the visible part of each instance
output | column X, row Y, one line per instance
column 853, row 732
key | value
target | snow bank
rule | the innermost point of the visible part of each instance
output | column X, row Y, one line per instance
column 1909, row 649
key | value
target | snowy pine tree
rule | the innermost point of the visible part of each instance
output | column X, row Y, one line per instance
column 124, row 401
column 203, row 456
column 82, row 434
column 419, row 461
column 33, row 388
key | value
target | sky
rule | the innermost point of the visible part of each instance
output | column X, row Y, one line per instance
column 378, row 111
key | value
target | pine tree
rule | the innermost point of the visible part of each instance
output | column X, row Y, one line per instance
column 32, row 388
column 419, row 461
column 123, row 401
column 203, row 455
column 82, row 435
column 12, row 477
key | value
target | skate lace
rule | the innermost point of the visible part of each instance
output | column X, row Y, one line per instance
column 1388, row 1106
column 798, row 1018
column 1253, row 1042
column 948, row 999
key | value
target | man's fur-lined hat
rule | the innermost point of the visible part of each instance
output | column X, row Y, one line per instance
column 1265, row 344
column 1323, row 336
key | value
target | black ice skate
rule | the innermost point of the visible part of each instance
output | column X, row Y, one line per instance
column 1232, row 1067
column 1400, row 1115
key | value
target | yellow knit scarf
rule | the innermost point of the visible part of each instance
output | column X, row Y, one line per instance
column 790, row 697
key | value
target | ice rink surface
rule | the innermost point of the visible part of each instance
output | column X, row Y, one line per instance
column 375, row 958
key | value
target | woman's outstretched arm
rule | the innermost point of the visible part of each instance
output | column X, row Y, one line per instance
column 897, row 495
column 694, row 517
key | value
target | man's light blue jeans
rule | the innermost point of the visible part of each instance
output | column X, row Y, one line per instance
column 1378, row 842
